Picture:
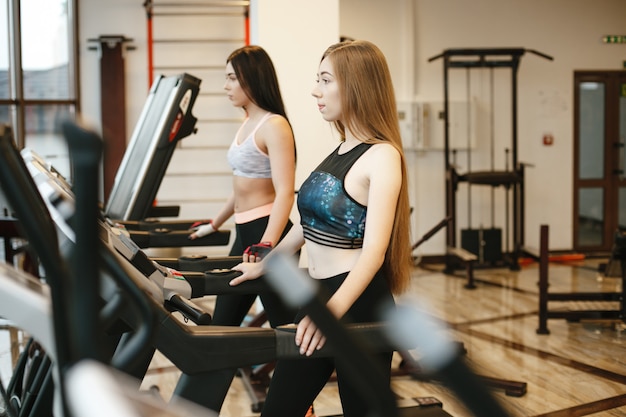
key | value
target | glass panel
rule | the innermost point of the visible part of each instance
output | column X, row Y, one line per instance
column 6, row 116
column 43, row 134
column 45, row 49
column 4, row 51
column 591, row 128
column 590, row 216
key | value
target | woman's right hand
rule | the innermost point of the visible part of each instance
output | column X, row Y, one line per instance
column 249, row 270
column 309, row 337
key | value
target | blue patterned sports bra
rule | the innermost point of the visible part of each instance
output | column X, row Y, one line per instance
column 328, row 215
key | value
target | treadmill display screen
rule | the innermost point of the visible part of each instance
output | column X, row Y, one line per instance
column 165, row 119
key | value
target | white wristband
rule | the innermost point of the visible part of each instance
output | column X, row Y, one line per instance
column 205, row 229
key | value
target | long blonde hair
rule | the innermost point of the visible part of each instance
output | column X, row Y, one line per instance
column 368, row 107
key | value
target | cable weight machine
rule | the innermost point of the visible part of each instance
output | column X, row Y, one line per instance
column 484, row 246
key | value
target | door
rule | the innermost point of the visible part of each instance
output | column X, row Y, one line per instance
column 599, row 158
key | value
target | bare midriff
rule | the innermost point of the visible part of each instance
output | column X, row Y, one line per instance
column 325, row 261
column 251, row 193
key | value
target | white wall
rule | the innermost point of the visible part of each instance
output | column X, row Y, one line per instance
column 113, row 17
column 290, row 31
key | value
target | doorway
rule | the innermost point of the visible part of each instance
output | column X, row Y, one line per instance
column 599, row 159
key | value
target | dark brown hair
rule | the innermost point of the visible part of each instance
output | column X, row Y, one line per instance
column 256, row 75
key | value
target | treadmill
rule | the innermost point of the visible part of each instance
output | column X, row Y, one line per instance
column 193, row 349
column 165, row 120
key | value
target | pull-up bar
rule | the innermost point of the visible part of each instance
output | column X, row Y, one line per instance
column 469, row 58
column 515, row 54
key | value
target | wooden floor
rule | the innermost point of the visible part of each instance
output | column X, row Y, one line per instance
column 578, row 369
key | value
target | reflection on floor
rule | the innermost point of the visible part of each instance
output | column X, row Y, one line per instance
column 578, row 369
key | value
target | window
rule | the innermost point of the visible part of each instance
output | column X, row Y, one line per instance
column 38, row 77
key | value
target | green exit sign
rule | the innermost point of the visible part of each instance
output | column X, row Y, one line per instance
column 614, row 39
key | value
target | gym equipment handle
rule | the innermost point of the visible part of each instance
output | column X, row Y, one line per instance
column 188, row 309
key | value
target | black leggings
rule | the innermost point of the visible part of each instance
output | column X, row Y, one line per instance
column 297, row 382
column 230, row 310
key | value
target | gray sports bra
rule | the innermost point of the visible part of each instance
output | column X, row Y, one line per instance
column 246, row 159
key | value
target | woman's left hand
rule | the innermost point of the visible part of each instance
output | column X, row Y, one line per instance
column 309, row 337
column 250, row 271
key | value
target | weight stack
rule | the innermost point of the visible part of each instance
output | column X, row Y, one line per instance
column 486, row 244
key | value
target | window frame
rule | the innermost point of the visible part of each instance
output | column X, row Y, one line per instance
column 17, row 102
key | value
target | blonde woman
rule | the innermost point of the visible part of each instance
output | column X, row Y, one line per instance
column 354, row 220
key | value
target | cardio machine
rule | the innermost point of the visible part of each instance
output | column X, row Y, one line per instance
column 193, row 349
